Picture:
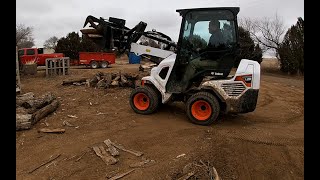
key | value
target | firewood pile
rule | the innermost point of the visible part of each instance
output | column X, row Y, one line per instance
column 31, row 109
column 107, row 80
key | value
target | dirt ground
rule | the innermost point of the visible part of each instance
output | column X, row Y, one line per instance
column 265, row 144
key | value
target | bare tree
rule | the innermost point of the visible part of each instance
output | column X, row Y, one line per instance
column 267, row 32
column 51, row 43
column 24, row 37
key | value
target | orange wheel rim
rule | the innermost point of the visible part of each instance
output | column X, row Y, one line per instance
column 201, row 110
column 141, row 101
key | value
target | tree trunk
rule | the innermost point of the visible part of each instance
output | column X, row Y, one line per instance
column 70, row 82
column 45, row 111
column 39, row 102
column 20, row 99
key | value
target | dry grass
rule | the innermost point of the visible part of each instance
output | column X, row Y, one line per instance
column 270, row 65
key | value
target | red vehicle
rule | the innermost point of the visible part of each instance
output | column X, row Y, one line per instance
column 97, row 59
column 28, row 55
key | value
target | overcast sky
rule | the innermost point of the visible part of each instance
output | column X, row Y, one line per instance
column 60, row 17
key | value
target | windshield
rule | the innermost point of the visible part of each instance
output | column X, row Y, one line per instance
column 208, row 31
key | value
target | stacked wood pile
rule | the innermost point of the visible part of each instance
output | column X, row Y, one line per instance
column 30, row 109
column 107, row 80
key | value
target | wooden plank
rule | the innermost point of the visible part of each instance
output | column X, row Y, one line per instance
column 136, row 153
column 56, row 130
column 118, row 176
column 113, row 151
column 101, row 152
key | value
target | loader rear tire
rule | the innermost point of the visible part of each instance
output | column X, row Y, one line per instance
column 203, row 108
column 144, row 100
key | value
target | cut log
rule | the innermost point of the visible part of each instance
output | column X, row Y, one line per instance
column 39, row 102
column 23, row 121
column 20, row 99
column 70, row 82
column 101, row 152
column 21, row 110
column 43, row 112
column 113, row 151
column 136, row 153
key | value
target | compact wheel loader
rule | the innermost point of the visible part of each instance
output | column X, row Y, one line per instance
column 207, row 91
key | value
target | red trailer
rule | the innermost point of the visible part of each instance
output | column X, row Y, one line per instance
column 97, row 59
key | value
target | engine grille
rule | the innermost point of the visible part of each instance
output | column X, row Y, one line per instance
column 233, row 89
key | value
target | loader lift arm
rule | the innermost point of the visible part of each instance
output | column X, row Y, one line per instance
column 113, row 34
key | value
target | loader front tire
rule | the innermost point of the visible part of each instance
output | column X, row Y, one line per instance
column 203, row 108
column 144, row 100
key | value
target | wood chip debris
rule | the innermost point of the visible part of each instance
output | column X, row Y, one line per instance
column 72, row 116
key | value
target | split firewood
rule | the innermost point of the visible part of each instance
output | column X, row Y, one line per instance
column 93, row 81
column 115, row 83
column 116, row 78
column 39, row 102
column 118, row 176
column 210, row 171
column 20, row 99
column 70, row 82
column 102, row 84
column 101, row 152
column 43, row 112
column 113, row 151
column 56, row 130
column 123, row 79
column 136, row 153
column 186, row 176
column 51, row 159
column 215, row 173
column 108, row 79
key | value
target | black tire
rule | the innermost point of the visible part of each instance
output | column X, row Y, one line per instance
column 94, row 64
column 144, row 100
column 104, row 64
column 157, row 92
column 203, row 108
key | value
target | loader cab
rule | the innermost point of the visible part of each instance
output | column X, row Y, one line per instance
column 195, row 42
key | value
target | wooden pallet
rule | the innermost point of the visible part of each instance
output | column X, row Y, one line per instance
column 57, row 66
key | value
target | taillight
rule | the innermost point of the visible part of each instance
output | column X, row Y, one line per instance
column 246, row 79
